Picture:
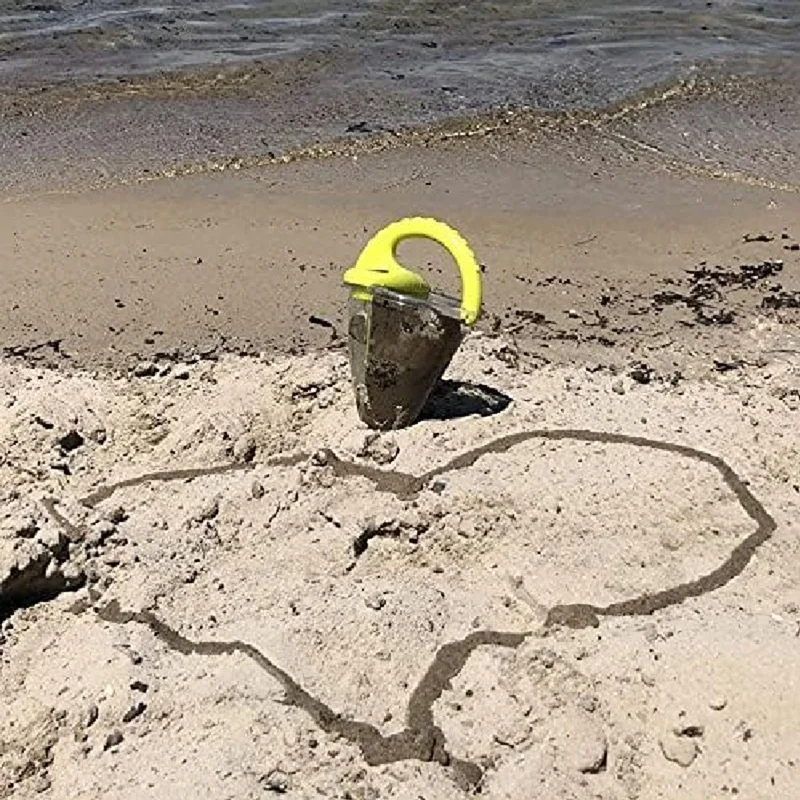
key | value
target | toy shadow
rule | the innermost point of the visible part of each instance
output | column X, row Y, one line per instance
column 457, row 399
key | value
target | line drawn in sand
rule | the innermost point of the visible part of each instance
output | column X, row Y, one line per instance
column 422, row 739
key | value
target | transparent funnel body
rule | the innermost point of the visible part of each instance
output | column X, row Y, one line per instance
column 399, row 347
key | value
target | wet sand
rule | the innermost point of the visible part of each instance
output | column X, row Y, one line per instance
column 244, row 259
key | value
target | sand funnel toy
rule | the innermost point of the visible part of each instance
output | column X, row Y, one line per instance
column 402, row 334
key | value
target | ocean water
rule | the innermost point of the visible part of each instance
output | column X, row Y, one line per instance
column 106, row 87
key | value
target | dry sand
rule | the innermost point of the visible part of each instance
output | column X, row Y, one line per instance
column 576, row 577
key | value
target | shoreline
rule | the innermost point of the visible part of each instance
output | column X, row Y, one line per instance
column 521, row 123
column 84, row 138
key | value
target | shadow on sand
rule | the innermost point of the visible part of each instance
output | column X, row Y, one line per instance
column 457, row 399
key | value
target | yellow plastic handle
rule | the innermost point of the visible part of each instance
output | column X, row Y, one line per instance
column 382, row 250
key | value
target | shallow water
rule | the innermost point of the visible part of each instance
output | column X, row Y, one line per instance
column 466, row 55
column 105, row 90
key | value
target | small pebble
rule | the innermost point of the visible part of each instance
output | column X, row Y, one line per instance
column 618, row 387
column 208, row 510
column 52, row 538
column 680, row 750
column 581, row 745
column 592, row 756
column 326, row 478
column 439, row 485
column 116, row 515
column 257, row 490
column 375, row 601
column 588, row 703
column 244, row 449
column 90, row 716
column 99, row 532
column 718, row 703
column 145, row 370
column 277, row 781
column 113, row 739
column 320, row 458
column 382, row 449
column 671, row 540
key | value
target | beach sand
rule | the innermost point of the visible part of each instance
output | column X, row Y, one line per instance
column 576, row 576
